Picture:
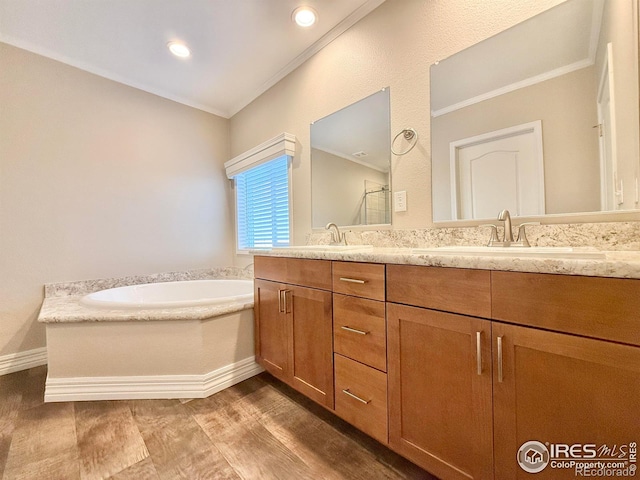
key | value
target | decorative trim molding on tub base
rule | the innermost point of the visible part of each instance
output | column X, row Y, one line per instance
column 149, row 387
column 14, row 362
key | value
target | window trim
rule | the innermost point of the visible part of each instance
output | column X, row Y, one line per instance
column 283, row 144
column 278, row 146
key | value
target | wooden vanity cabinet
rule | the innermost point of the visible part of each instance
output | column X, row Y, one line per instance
column 293, row 324
column 559, row 388
column 440, row 381
column 466, row 365
column 272, row 329
column 555, row 387
column 360, row 346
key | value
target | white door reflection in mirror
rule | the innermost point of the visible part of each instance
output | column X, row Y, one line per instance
column 498, row 170
column 609, row 189
column 551, row 68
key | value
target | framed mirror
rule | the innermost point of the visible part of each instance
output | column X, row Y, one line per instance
column 541, row 119
column 350, row 160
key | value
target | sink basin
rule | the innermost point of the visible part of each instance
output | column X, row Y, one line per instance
column 535, row 252
column 327, row 248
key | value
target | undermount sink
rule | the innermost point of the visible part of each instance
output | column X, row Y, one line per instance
column 535, row 252
column 327, row 248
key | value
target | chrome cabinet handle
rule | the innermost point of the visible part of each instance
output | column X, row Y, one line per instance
column 479, row 352
column 283, row 304
column 354, row 330
column 352, row 280
column 347, row 392
column 287, row 301
column 499, row 340
column 280, row 302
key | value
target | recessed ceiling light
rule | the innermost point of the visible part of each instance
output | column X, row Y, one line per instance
column 179, row 49
column 304, row 16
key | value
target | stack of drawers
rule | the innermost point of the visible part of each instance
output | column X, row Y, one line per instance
column 360, row 346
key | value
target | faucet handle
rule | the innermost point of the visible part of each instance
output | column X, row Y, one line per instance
column 494, row 233
column 522, row 233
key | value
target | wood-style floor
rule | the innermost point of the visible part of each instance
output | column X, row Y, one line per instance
column 258, row 429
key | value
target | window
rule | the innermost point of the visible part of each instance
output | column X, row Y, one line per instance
column 261, row 177
column 262, row 205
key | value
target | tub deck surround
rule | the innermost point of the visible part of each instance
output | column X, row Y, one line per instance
column 616, row 264
column 95, row 353
column 62, row 300
column 69, row 310
column 82, row 287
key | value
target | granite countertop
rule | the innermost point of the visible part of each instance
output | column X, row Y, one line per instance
column 618, row 264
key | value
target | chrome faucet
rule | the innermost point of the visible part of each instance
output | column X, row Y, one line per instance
column 337, row 238
column 507, row 236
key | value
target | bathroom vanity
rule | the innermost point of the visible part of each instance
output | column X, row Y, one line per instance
column 458, row 368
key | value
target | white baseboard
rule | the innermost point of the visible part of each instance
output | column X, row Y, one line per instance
column 149, row 387
column 15, row 362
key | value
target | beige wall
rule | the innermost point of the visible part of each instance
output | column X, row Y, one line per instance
column 571, row 158
column 393, row 46
column 97, row 180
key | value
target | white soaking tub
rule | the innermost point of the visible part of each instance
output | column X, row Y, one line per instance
column 178, row 339
column 180, row 294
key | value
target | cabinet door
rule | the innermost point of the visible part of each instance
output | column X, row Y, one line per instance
column 312, row 352
column 440, row 411
column 557, row 389
column 271, row 328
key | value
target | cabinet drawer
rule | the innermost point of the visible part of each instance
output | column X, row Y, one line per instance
column 359, row 279
column 359, row 330
column 296, row 271
column 361, row 397
column 605, row 308
column 456, row 290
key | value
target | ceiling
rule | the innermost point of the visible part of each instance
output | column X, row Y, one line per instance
column 240, row 48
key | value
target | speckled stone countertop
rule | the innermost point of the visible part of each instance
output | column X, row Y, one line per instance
column 62, row 300
column 619, row 264
column 619, row 241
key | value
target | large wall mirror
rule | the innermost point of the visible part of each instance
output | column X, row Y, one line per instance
column 540, row 119
column 350, row 158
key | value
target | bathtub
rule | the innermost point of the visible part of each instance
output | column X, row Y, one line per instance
column 172, row 294
column 186, row 339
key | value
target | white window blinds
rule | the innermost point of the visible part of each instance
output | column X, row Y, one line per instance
column 262, row 204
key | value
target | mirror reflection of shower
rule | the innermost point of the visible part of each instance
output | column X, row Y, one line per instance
column 375, row 203
column 350, row 160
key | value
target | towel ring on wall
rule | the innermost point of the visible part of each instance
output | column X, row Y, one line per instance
column 408, row 134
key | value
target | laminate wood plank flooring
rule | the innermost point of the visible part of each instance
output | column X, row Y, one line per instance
column 108, row 438
column 258, row 429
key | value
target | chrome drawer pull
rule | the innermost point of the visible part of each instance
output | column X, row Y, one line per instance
column 354, row 330
column 499, row 340
column 347, row 392
column 352, row 280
